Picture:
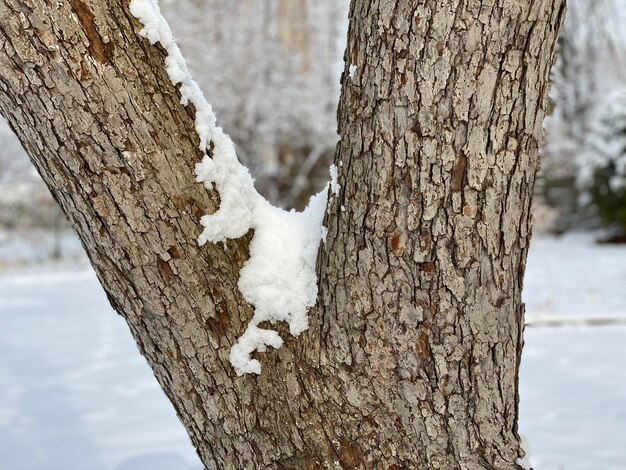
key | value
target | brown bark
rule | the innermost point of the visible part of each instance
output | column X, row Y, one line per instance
column 412, row 357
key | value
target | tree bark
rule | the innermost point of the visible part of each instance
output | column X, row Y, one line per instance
column 422, row 319
column 413, row 353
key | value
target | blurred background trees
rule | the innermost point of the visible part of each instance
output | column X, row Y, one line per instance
column 270, row 69
column 602, row 168
column 588, row 74
column 32, row 225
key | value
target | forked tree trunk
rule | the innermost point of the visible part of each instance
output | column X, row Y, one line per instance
column 413, row 354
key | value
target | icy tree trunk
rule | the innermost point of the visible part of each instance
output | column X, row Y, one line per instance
column 413, row 353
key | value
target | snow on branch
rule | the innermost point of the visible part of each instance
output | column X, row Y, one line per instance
column 279, row 279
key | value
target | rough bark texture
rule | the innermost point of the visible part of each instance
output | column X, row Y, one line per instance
column 422, row 325
column 412, row 358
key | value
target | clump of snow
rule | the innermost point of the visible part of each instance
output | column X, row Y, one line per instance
column 525, row 461
column 279, row 279
column 334, row 180
column 352, row 71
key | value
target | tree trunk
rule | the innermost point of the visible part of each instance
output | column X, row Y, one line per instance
column 422, row 323
column 413, row 353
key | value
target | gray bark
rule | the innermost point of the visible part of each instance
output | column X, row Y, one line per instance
column 413, row 353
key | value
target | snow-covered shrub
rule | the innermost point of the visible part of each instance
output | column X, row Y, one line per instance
column 589, row 66
column 602, row 168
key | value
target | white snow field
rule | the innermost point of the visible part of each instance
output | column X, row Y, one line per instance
column 76, row 394
column 572, row 276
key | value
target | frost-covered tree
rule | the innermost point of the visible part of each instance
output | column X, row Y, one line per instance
column 602, row 175
column 588, row 66
column 405, row 333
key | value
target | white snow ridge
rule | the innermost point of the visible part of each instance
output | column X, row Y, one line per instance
column 279, row 279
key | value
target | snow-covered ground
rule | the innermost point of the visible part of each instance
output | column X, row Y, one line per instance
column 573, row 276
column 573, row 379
column 573, row 397
column 75, row 393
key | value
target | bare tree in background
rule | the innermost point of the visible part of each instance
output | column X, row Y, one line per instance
column 412, row 356
column 270, row 70
column 587, row 67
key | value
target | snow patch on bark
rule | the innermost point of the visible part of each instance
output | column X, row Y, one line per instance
column 279, row 279
column 352, row 71
column 525, row 461
column 334, row 180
